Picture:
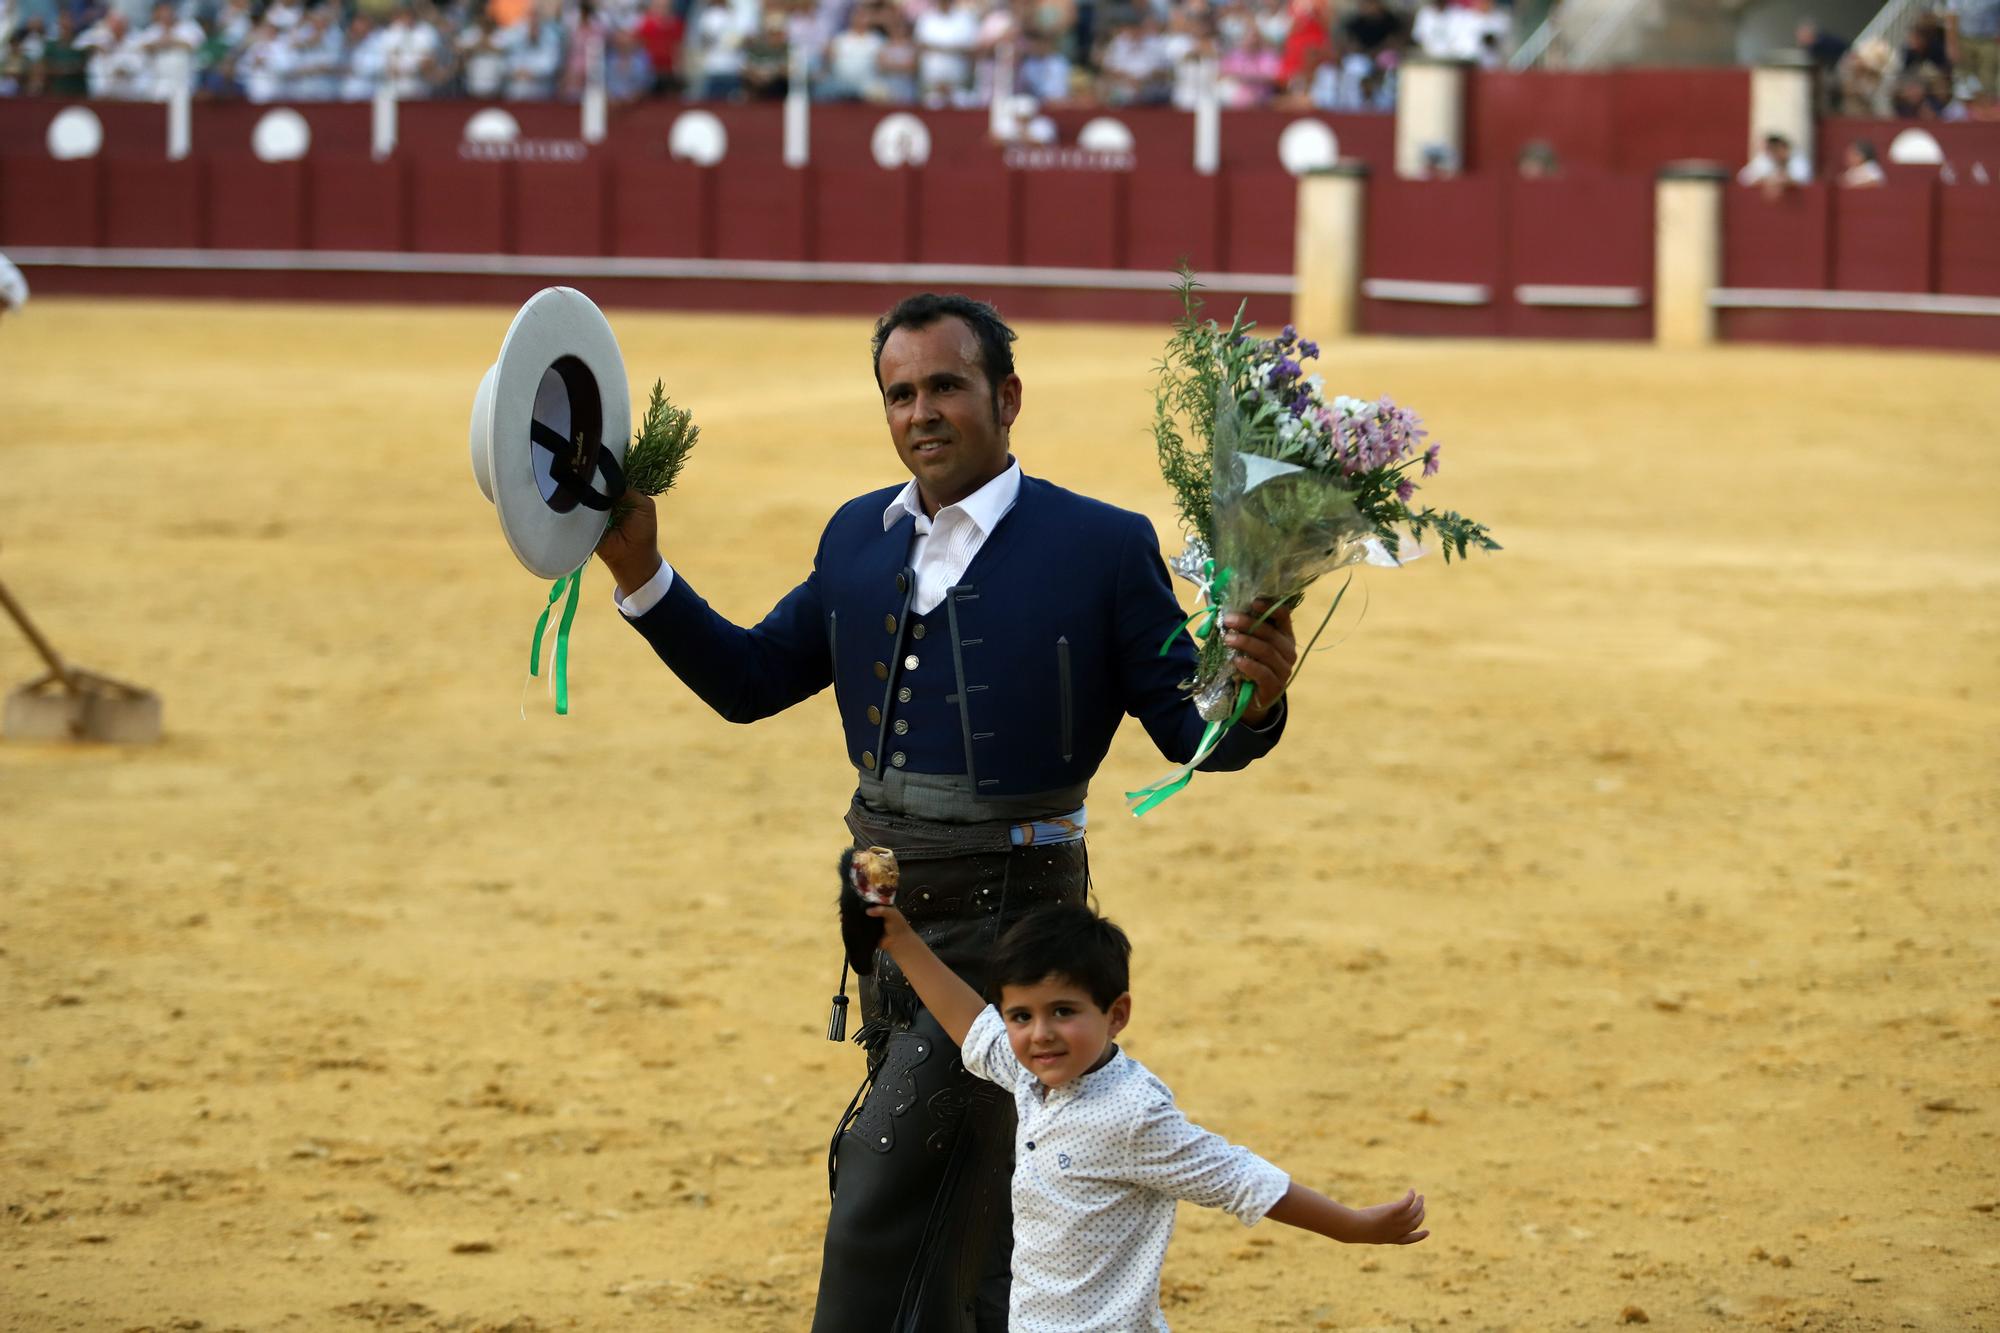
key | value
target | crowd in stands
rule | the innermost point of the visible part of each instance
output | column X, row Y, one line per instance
column 1330, row 54
column 1333, row 54
column 1946, row 67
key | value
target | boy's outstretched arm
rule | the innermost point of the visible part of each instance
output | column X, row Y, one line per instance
column 952, row 1003
column 1384, row 1224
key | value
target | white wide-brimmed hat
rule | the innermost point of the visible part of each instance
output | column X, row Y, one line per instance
column 550, row 426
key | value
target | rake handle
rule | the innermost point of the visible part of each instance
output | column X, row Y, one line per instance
column 41, row 645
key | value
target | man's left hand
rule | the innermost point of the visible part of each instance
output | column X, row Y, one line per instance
column 1264, row 655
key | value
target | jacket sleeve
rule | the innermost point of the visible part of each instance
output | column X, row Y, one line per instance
column 1146, row 617
column 743, row 674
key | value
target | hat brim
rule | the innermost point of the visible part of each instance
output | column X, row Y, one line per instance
column 559, row 353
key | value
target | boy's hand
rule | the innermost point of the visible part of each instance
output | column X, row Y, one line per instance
column 895, row 927
column 952, row 1003
column 1385, row 1224
column 1390, row 1223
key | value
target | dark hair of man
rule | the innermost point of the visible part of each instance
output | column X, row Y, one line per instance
column 996, row 356
column 1065, row 940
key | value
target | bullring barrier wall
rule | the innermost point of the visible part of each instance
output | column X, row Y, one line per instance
column 1053, row 230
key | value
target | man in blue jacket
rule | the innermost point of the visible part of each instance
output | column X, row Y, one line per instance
column 985, row 632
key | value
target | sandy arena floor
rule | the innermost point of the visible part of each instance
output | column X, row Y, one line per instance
column 1631, row 893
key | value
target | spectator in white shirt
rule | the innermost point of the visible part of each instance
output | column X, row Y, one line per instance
column 118, row 66
column 1466, row 30
column 482, row 59
column 946, row 36
column 263, row 64
column 1863, row 169
column 410, row 54
column 851, row 60
column 1101, row 1153
column 1136, row 65
column 1775, row 169
column 1186, row 47
column 168, row 44
column 720, row 35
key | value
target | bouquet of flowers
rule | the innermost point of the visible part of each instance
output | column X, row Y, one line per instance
column 1277, row 483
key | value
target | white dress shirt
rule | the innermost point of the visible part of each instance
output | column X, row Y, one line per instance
column 940, row 552
column 1099, row 1163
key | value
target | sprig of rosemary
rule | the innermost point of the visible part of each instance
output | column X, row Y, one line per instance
column 653, row 463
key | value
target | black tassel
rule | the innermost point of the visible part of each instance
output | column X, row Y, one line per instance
column 836, row 1022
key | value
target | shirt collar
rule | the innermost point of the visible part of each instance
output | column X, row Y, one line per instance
column 985, row 506
column 1104, row 1076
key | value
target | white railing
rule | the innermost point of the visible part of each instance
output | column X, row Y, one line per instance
column 1601, row 34
column 1554, row 43
column 1532, row 50
column 1892, row 23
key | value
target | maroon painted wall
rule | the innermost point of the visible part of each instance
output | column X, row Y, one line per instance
column 1591, row 226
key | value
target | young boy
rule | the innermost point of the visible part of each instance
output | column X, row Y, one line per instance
column 1101, row 1153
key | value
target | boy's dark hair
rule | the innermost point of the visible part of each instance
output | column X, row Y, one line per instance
column 996, row 356
column 1065, row 940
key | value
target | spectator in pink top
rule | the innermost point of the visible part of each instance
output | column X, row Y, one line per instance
column 1249, row 72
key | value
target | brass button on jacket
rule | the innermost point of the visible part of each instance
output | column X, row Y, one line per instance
column 902, row 725
column 889, row 623
column 903, row 695
column 899, row 759
column 881, row 671
column 916, row 631
column 902, row 583
column 868, row 760
column 874, row 716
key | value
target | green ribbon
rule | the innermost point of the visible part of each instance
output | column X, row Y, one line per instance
column 1148, row 798
column 1215, row 585
column 571, row 582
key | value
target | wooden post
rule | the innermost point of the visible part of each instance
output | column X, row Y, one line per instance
column 1687, row 252
column 1327, row 251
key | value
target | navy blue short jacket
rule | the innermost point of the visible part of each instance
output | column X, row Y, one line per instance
column 1019, row 678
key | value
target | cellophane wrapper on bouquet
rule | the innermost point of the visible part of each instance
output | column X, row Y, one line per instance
column 1278, row 527
column 1278, row 483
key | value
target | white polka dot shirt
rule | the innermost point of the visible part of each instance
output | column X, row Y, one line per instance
column 1098, row 1166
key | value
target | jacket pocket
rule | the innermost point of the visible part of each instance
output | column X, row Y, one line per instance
column 1068, row 713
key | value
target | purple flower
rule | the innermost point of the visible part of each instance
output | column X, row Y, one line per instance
column 1405, row 489
column 1431, row 460
column 1290, row 334
column 1308, row 351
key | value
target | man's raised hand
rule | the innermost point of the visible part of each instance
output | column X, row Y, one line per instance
column 630, row 548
